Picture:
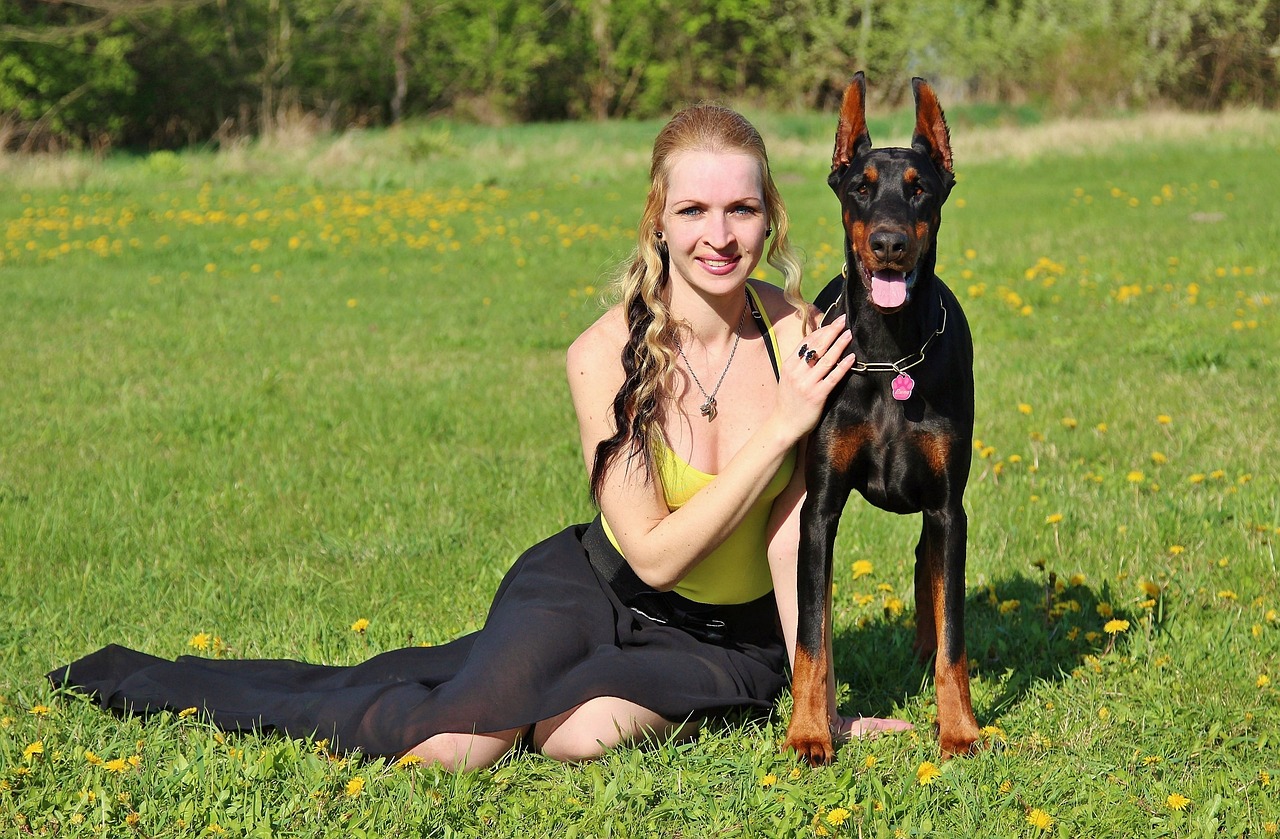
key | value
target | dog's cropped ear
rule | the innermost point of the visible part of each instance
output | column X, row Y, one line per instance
column 931, row 135
column 852, row 138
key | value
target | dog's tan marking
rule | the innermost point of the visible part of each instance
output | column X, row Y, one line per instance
column 872, row 174
column 936, row 448
column 846, row 444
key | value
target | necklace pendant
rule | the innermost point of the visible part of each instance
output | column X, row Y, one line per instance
column 902, row 386
column 708, row 408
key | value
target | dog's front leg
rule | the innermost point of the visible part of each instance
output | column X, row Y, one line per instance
column 940, row 583
column 809, row 733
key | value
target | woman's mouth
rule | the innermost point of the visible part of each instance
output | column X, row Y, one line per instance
column 720, row 265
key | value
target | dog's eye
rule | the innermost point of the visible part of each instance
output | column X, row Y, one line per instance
column 863, row 189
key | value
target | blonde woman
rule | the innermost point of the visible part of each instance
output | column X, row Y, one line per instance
column 693, row 394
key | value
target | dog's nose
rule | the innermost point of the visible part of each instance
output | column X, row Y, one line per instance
column 888, row 245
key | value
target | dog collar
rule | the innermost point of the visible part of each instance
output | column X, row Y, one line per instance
column 902, row 384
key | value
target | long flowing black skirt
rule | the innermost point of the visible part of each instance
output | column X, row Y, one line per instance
column 556, row 636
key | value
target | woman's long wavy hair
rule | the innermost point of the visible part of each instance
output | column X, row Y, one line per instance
column 642, row 286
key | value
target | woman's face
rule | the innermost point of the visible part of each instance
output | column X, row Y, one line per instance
column 714, row 221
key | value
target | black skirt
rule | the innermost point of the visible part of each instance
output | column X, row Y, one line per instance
column 556, row 635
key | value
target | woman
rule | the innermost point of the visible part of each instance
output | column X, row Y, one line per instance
column 692, row 423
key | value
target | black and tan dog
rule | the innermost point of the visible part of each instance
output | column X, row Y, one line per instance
column 899, row 429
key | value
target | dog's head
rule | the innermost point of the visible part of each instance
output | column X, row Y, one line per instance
column 891, row 199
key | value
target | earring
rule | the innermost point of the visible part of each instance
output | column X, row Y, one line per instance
column 768, row 232
column 658, row 233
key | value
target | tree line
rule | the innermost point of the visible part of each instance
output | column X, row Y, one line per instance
column 170, row 73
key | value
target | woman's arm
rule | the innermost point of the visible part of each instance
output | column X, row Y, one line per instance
column 662, row 546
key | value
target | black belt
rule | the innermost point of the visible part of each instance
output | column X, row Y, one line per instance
column 708, row 622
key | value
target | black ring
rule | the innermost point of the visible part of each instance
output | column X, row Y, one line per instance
column 811, row 356
column 804, row 348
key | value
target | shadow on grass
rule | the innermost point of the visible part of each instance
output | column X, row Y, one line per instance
column 1019, row 631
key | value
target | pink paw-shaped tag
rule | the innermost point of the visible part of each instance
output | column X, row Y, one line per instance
column 902, row 387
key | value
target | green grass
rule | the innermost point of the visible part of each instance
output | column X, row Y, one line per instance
column 264, row 394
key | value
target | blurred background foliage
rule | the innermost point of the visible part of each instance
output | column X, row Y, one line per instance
column 171, row 73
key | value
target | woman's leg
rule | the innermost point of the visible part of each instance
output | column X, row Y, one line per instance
column 465, row 752
column 597, row 725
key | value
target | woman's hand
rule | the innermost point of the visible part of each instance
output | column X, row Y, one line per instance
column 809, row 374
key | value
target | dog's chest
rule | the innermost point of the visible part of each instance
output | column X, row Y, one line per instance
column 886, row 447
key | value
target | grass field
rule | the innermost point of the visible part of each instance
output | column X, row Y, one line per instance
column 251, row 399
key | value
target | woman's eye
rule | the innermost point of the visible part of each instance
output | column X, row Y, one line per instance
column 688, row 211
column 745, row 211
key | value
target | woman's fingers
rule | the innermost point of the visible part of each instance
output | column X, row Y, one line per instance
column 866, row 728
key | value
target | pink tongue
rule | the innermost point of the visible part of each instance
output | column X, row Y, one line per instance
column 888, row 289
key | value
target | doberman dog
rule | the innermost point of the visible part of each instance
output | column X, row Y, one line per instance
column 899, row 429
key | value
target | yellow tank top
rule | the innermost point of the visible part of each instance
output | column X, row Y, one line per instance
column 738, row 570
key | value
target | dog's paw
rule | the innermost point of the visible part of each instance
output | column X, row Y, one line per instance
column 960, row 743
column 816, row 751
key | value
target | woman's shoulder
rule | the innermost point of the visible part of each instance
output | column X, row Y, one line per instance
column 788, row 323
column 598, row 350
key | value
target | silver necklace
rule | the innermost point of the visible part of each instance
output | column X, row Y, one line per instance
column 708, row 408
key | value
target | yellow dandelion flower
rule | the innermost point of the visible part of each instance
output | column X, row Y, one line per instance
column 769, row 780
column 355, row 786
column 1159, row 458
column 1135, row 477
column 360, row 625
column 1053, row 518
column 869, row 761
column 927, row 774
column 1008, row 606
column 36, row 748
column 117, row 765
column 1006, row 787
column 1196, row 478
column 837, row 816
column 40, row 710
column 1264, row 778
column 186, row 712
column 1104, row 610
column 1150, row 588
column 1069, row 422
column 1217, row 474
column 135, row 761
column 1270, row 828
column 1116, row 626
column 1078, row 580
column 199, row 641
column 795, row 774
column 91, row 758
column 132, row 819
column 1024, row 408
column 1101, row 428
column 1176, row 549
column 861, row 568
column 407, row 761
column 1228, row 594
column 1104, row 714
column 1039, row 819
column 1263, row 680
column 352, row 303
column 1164, row 419
column 1177, row 801
column 1151, row 760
